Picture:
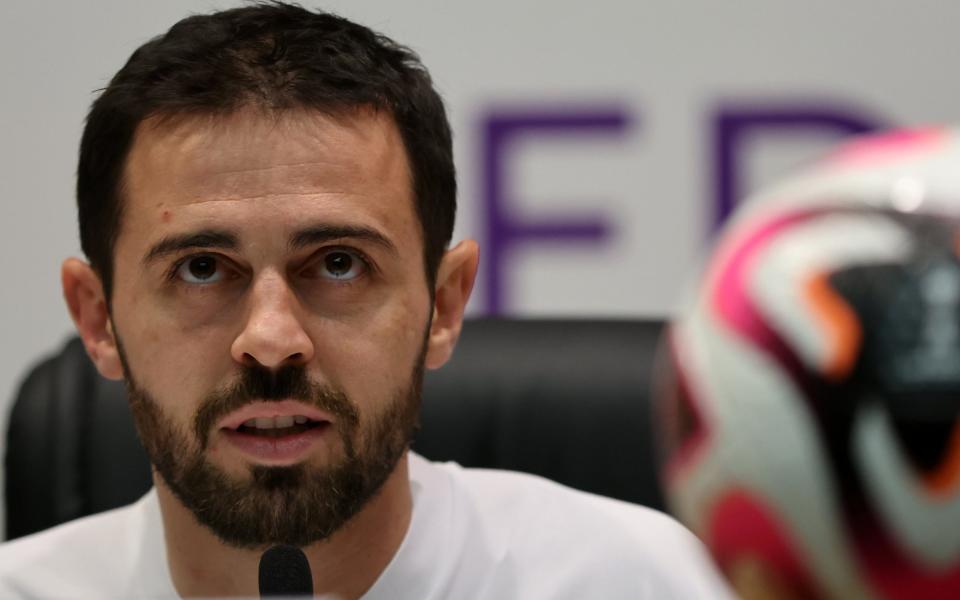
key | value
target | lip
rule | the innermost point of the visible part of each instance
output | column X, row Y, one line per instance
column 281, row 451
column 284, row 408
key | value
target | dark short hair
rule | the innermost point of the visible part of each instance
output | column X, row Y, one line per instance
column 273, row 56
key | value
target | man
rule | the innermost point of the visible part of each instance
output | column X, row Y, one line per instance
column 266, row 199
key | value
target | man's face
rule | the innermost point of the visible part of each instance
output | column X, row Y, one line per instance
column 272, row 308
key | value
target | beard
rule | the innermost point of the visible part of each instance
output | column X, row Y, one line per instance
column 297, row 504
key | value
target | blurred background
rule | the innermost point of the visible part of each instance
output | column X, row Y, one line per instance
column 599, row 144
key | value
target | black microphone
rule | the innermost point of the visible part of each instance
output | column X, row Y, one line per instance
column 284, row 571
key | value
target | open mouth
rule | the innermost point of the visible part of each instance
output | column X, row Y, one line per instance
column 277, row 433
column 277, row 440
column 276, row 427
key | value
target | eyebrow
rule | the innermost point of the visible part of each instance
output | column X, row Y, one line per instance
column 319, row 234
column 211, row 238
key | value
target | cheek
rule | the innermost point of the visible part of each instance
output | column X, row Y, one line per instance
column 371, row 362
column 177, row 366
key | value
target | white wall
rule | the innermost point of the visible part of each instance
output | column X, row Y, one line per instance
column 666, row 64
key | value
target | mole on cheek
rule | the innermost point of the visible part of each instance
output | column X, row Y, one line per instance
column 167, row 217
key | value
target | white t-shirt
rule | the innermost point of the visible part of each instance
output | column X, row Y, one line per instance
column 473, row 534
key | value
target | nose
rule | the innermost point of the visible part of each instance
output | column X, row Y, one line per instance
column 273, row 335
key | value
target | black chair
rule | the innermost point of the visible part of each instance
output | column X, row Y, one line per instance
column 565, row 399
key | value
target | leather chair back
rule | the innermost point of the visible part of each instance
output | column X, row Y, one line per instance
column 565, row 399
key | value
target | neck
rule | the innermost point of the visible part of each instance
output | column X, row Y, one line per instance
column 344, row 565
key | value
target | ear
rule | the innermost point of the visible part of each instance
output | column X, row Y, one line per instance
column 455, row 277
column 83, row 291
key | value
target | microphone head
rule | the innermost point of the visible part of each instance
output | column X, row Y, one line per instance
column 284, row 571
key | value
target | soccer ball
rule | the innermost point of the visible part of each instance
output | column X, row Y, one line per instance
column 809, row 393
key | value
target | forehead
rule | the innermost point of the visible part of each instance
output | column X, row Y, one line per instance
column 257, row 165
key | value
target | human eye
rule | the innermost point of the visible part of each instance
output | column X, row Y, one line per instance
column 339, row 264
column 201, row 269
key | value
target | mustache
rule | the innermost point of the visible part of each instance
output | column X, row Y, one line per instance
column 257, row 384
